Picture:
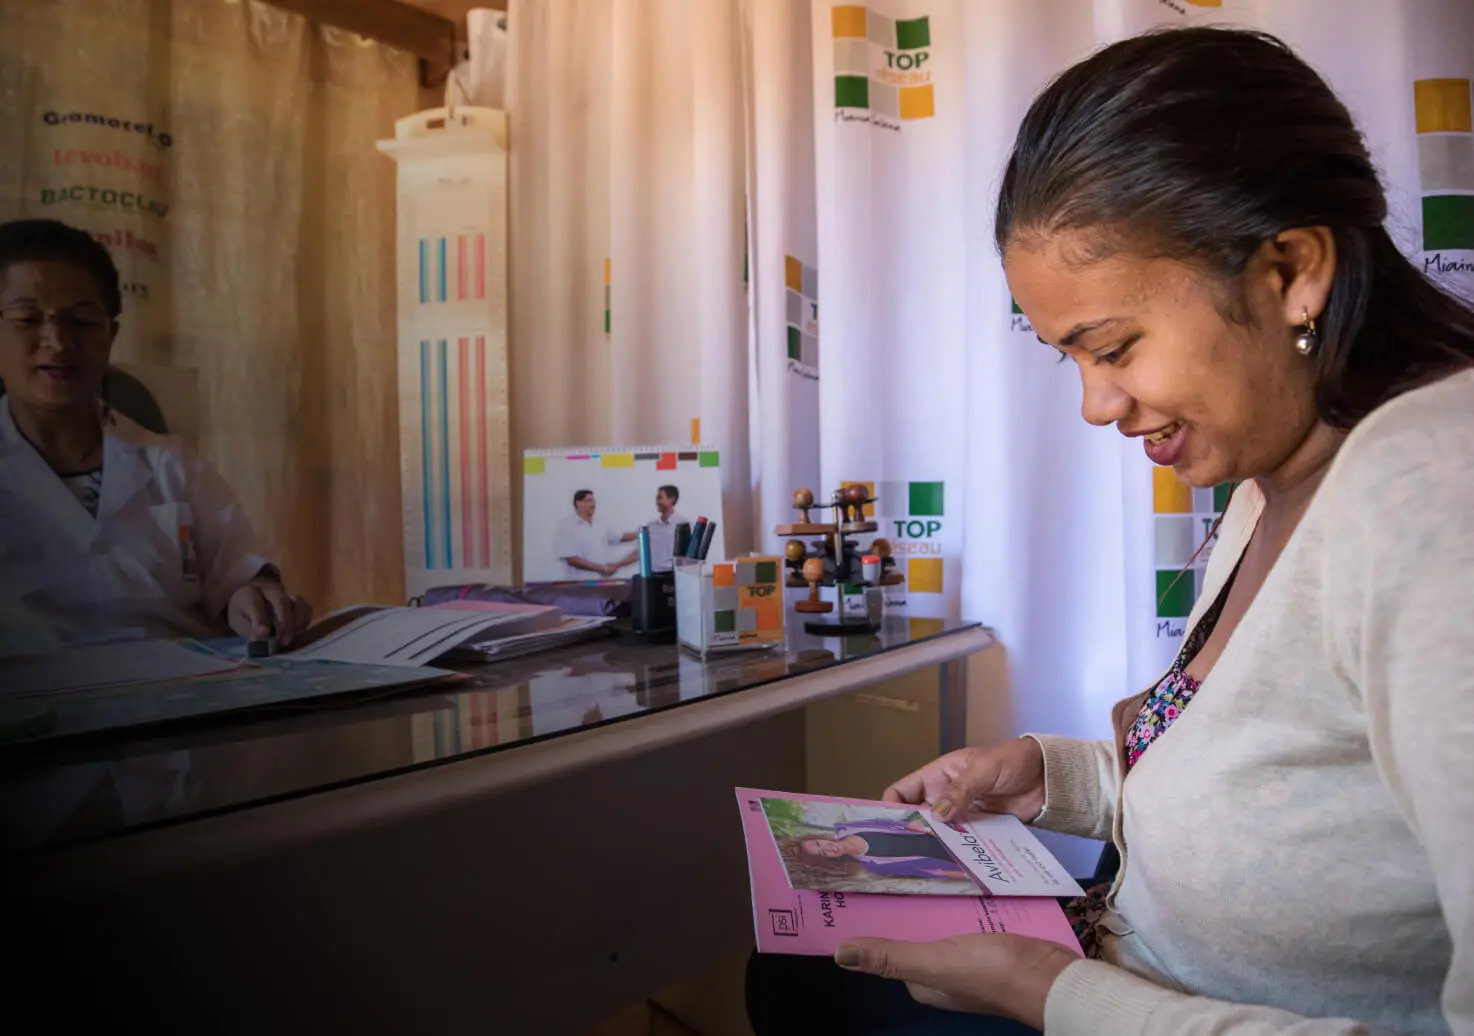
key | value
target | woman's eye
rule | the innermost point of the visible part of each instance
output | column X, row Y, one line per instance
column 1114, row 356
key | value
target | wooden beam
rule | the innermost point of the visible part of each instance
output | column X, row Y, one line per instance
column 428, row 35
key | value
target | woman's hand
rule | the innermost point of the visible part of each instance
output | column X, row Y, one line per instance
column 1005, row 975
column 1002, row 778
column 264, row 603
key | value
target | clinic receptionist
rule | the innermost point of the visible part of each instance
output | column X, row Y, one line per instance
column 107, row 529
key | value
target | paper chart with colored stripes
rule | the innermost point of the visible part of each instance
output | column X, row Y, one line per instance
column 451, row 268
column 455, row 462
column 454, row 524
column 454, row 413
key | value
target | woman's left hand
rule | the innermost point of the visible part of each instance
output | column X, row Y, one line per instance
column 998, row 974
column 263, row 604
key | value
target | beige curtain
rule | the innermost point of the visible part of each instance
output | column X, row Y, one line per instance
column 224, row 150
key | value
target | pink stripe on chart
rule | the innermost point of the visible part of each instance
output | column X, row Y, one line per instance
column 465, row 397
column 481, row 266
column 461, row 268
column 481, row 461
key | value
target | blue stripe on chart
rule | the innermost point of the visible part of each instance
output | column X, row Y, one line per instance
column 424, row 270
column 440, row 285
column 444, row 442
column 426, row 484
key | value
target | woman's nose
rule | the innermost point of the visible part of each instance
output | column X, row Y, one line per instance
column 1104, row 402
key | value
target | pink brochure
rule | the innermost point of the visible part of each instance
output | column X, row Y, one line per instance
column 805, row 922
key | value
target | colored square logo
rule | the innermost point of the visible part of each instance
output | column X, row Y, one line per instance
column 851, row 91
column 767, row 571
column 1221, row 493
column 848, row 21
column 534, row 465
column 1175, row 595
column 924, row 575
column 880, row 63
column 852, row 58
column 1448, row 221
column 801, row 311
column 1443, row 106
column 925, row 499
column 913, row 34
column 917, row 102
column 1170, row 495
column 793, row 274
column 1446, row 162
column 1176, row 539
column 724, row 621
column 885, row 99
column 880, row 29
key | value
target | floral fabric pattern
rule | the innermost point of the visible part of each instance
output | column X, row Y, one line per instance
column 1159, row 712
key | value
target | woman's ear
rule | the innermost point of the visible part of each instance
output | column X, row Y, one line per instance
column 1304, row 263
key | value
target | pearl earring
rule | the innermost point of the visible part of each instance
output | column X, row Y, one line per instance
column 1307, row 340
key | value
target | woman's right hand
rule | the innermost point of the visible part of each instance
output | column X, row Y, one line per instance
column 1001, row 778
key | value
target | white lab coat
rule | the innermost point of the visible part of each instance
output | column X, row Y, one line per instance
column 168, row 548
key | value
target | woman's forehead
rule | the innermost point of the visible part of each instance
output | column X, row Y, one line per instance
column 48, row 280
column 1062, row 295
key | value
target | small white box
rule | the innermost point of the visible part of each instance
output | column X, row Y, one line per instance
column 730, row 605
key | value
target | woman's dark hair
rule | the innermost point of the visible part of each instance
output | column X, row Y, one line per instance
column 1200, row 144
column 49, row 240
column 801, row 864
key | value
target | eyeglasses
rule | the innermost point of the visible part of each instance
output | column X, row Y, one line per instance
column 29, row 320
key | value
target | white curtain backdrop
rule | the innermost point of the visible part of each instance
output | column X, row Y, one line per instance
column 870, row 137
column 1003, row 503
column 783, row 247
column 628, row 313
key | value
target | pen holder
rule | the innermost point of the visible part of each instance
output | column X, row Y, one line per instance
column 653, row 603
column 729, row 606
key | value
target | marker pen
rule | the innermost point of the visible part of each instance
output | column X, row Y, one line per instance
column 707, row 535
column 683, row 539
column 697, row 531
column 643, row 542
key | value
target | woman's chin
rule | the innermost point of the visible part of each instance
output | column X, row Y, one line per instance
column 1200, row 472
column 60, row 394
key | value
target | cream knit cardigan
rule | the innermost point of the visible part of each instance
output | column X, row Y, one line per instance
column 1298, row 849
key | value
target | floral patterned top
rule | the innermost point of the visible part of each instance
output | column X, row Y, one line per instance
column 1166, row 702
column 1158, row 712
